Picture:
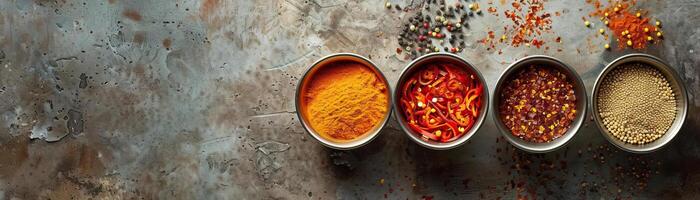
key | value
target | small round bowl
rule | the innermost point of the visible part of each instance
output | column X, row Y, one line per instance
column 338, row 144
column 676, row 85
column 417, row 65
column 581, row 104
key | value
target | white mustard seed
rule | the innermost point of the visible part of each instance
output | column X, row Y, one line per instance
column 636, row 103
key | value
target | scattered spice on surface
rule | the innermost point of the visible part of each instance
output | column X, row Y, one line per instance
column 435, row 26
column 631, row 27
column 636, row 103
column 529, row 23
column 441, row 102
column 538, row 104
column 593, row 170
column 344, row 100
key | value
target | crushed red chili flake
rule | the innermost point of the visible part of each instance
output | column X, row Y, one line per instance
column 538, row 104
column 492, row 10
column 529, row 23
column 632, row 29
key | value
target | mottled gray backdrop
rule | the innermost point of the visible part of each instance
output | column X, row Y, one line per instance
column 180, row 99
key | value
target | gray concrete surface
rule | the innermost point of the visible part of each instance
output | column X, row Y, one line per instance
column 116, row 99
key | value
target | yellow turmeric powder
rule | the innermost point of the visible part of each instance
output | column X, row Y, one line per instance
column 345, row 100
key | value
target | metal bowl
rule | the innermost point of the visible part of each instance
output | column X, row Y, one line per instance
column 678, row 89
column 579, row 90
column 339, row 144
column 418, row 64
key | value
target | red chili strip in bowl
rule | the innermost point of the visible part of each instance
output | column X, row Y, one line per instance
column 441, row 102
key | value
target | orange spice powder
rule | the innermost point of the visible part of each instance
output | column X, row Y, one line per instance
column 345, row 100
column 632, row 28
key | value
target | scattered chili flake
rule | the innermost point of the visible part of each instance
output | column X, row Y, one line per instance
column 441, row 102
column 631, row 27
column 529, row 22
column 492, row 10
column 538, row 104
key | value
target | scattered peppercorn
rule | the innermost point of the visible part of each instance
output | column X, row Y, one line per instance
column 425, row 32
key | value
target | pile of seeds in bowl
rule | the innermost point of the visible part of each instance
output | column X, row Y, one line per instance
column 636, row 103
column 436, row 25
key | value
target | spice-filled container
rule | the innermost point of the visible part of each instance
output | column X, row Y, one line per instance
column 440, row 100
column 539, row 103
column 343, row 101
column 639, row 103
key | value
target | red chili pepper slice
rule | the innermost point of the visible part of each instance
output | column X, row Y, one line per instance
column 454, row 131
column 449, row 95
column 423, row 132
column 427, row 76
column 454, row 85
column 411, row 82
column 459, row 120
column 438, row 81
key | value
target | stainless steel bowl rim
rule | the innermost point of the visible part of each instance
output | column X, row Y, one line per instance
column 328, row 143
column 477, row 125
column 574, row 127
column 674, row 77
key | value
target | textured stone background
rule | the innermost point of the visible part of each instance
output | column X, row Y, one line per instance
column 194, row 100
